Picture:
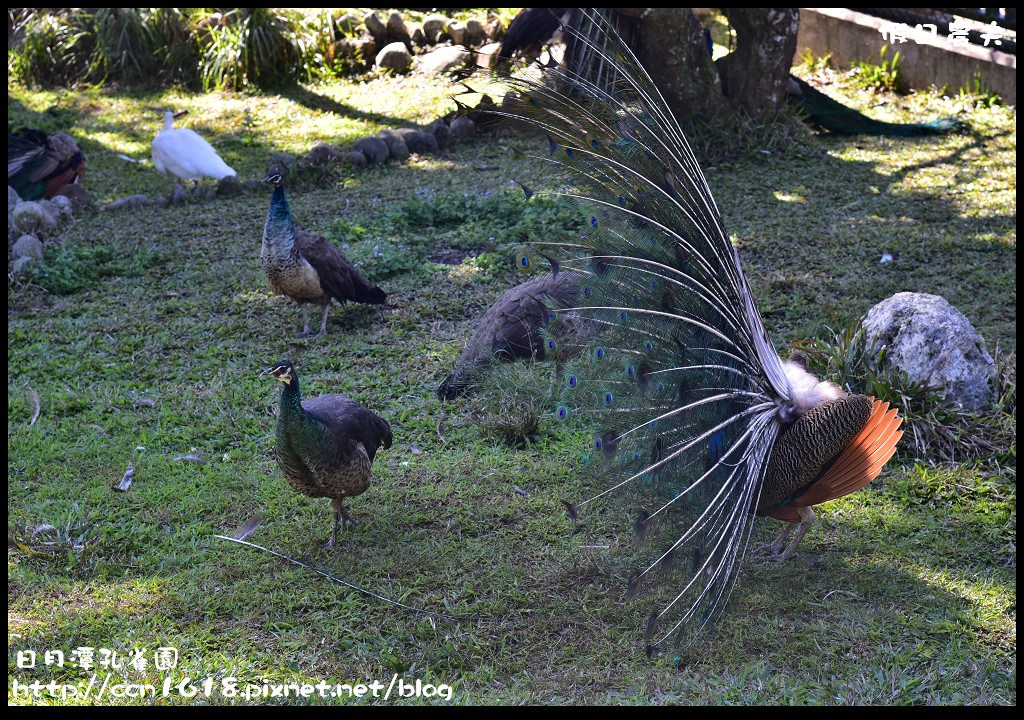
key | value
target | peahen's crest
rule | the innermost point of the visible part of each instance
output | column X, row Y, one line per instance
column 686, row 393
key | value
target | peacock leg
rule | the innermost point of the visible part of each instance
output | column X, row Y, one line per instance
column 346, row 518
column 772, row 549
column 339, row 513
column 807, row 519
column 323, row 323
column 305, row 321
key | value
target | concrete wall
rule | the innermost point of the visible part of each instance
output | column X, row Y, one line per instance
column 852, row 36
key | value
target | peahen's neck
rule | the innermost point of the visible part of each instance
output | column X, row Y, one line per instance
column 304, row 432
column 279, row 232
column 168, row 121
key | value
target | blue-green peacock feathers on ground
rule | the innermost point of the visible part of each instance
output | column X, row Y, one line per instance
column 688, row 399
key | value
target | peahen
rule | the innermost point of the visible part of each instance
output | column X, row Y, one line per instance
column 184, row 154
column 325, row 445
column 511, row 329
column 307, row 267
column 38, row 165
column 696, row 419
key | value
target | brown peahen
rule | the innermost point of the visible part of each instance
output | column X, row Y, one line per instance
column 325, row 445
column 307, row 267
column 38, row 165
column 695, row 419
column 511, row 329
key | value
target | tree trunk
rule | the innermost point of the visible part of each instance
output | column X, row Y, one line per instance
column 754, row 76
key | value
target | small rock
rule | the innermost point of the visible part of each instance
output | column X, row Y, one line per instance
column 396, row 29
column 934, row 344
column 178, row 195
column 394, row 56
column 442, row 60
column 417, row 36
column 130, row 201
column 64, row 206
column 228, row 186
column 320, row 156
column 419, row 142
column 441, row 133
column 29, row 217
column 475, row 33
column 280, row 163
column 354, row 158
column 204, row 192
column 376, row 26
column 396, row 145
column 375, row 149
column 12, row 229
column 494, row 28
column 433, row 26
column 51, row 210
column 27, row 246
column 462, row 128
column 19, row 265
column 80, row 198
column 12, row 198
column 456, row 31
column 487, row 54
column 367, row 48
column 253, row 185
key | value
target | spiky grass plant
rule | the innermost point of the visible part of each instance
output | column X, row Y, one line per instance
column 936, row 428
column 248, row 47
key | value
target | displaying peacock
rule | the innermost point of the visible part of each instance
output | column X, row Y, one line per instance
column 511, row 329
column 698, row 424
column 38, row 165
column 184, row 154
column 307, row 267
column 325, row 445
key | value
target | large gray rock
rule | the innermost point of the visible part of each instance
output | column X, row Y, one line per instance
column 64, row 206
column 443, row 59
column 354, row 158
column 394, row 56
column 12, row 199
column 934, row 344
column 27, row 246
column 441, row 133
column 228, row 186
column 375, row 149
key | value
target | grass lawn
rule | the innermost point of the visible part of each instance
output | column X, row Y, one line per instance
column 149, row 327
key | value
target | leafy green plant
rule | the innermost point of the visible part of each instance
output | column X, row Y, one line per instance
column 977, row 93
column 885, row 75
column 248, row 47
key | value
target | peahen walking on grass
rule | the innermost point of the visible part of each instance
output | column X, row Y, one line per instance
column 38, row 165
column 697, row 423
column 307, row 267
column 325, row 445
column 511, row 329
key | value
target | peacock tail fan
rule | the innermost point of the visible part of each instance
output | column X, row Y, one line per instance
column 676, row 373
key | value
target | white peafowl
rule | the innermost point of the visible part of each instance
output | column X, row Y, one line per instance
column 185, row 155
column 696, row 420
